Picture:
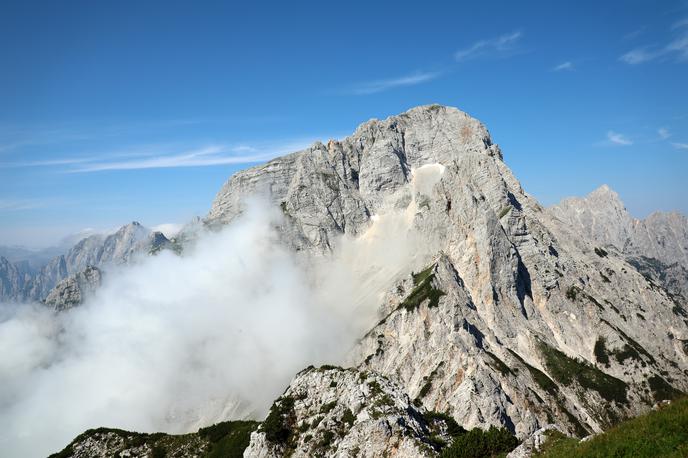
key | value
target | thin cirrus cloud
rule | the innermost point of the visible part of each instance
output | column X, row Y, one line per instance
column 615, row 138
column 677, row 49
column 202, row 157
column 373, row 87
column 564, row 66
column 683, row 146
column 159, row 157
column 663, row 133
column 502, row 45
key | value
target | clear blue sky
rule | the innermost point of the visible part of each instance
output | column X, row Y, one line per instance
column 120, row 111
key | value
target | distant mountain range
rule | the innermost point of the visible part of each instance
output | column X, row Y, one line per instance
column 27, row 279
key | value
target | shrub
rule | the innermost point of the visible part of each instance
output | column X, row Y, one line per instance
column 477, row 443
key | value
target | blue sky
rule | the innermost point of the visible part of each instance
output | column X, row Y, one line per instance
column 120, row 111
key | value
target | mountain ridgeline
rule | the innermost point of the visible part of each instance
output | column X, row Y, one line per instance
column 521, row 317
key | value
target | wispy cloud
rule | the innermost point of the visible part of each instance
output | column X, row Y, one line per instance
column 616, row 138
column 663, row 133
column 680, row 145
column 201, row 157
column 499, row 46
column 20, row 204
column 168, row 156
column 564, row 66
column 677, row 49
column 372, row 87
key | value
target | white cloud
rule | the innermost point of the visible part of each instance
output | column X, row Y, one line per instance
column 158, row 156
column 20, row 204
column 680, row 145
column 171, row 343
column 639, row 56
column 677, row 49
column 563, row 66
column 168, row 229
column 663, row 133
column 495, row 46
column 618, row 139
column 682, row 23
column 372, row 87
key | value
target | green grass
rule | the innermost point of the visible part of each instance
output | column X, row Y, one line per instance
column 567, row 370
column 423, row 290
column 659, row 433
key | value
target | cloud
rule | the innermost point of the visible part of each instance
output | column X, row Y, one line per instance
column 680, row 145
column 563, row 66
column 618, row 139
column 501, row 45
column 20, row 204
column 156, row 157
column 682, row 23
column 168, row 229
column 171, row 343
column 677, row 49
column 663, row 133
column 373, row 87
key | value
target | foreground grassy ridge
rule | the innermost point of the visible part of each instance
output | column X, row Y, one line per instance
column 662, row 433
column 228, row 439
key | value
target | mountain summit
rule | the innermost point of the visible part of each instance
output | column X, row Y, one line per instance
column 514, row 319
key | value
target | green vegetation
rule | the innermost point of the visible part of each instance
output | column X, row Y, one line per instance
column 659, row 433
column 226, row 439
column 504, row 211
column 326, row 408
column 540, row 377
column 567, row 371
column 477, row 443
column 425, row 389
column 601, row 352
column 423, row 290
column 435, row 419
column 600, row 252
column 278, row 426
column 661, row 389
column 348, row 418
column 499, row 365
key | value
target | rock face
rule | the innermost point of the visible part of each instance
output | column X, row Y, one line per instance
column 94, row 251
column 518, row 322
column 343, row 412
column 73, row 290
column 657, row 246
column 515, row 320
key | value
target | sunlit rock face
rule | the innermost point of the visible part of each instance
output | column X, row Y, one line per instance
column 656, row 246
column 522, row 302
column 481, row 303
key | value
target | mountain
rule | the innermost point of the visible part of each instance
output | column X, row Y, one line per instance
column 657, row 246
column 24, row 284
column 513, row 319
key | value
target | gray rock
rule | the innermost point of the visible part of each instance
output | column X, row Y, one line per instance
column 657, row 245
column 344, row 412
column 73, row 290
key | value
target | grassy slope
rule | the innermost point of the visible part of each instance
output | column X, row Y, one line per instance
column 661, row 433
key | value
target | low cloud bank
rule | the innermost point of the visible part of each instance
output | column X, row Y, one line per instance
column 172, row 342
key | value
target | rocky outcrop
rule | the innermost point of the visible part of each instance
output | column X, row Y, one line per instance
column 73, row 290
column 502, row 329
column 657, row 246
column 99, row 251
column 332, row 411
column 515, row 320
